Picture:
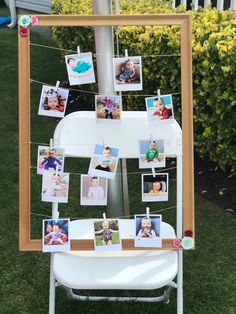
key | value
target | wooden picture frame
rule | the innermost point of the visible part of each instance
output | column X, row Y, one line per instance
column 181, row 20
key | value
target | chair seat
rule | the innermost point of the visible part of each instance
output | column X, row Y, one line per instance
column 137, row 269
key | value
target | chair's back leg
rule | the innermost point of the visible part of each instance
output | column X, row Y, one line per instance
column 52, row 288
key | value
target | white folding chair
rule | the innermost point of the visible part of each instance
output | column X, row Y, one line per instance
column 136, row 269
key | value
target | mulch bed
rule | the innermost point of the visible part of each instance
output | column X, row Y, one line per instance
column 215, row 185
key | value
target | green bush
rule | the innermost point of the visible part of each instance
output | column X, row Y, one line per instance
column 214, row 55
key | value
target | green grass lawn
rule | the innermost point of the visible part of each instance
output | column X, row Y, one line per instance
column 209, row 271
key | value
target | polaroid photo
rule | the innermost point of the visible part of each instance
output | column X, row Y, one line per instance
column 152, row 154
column 160, row 110
column 155, row 189
column 80, row 68
column 50, row 159
column 127, row 74
column 148, row 231
column 56, row 235
column 108, row 109
column 93, row 190
column 53, row 101
column 104, row 161
column 55, row 187
column 106, row 235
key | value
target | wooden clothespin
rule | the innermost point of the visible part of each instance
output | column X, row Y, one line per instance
column 159, row 94
column 147, row 212
column 104, row 216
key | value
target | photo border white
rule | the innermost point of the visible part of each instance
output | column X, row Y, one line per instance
column 80, row 81
column 39, row 170
column 108, row 121
column 92, row 202
column 148, row 242
column 52, row 113
column 101, row 173
column 155, row 120
column 59, row 247
column 56, row 199
column 111, row 247
column 127, row 86
column 161, row 198
column 143, row 165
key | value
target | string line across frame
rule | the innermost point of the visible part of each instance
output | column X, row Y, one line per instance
column 181, row 20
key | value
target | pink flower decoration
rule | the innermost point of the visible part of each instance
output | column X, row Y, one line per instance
column 24, row 31
column 188, row 233
column 176, row 244
column 34, row 20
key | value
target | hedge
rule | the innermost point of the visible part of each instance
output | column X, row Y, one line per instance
column 214, row 67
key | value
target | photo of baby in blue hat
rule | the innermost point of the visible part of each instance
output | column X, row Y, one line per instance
column 80, row 68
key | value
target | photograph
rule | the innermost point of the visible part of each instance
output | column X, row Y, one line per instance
column 80, row 68
column 152, row 154
column 155, row 189
column 104, row 161
column 148, row 231
column 93, row 190
column 160, row 110
column 127, row 74
column 56, row 235
column 50, row 159
column 55, row 187
column 108, row 109
column 106, row 235
column 53, row 101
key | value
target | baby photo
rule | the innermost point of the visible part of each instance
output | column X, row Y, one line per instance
column 55, row 187
column 148, row 231
column 127, row 74
column 151, row 154
column 56, row 235
column 155, row 189
column 106, row 235
column 159, row 109
column 108, row 109
column 53, row 101
column 50, row 159
column 104, row 161
column 80, row 68
column 93, row 190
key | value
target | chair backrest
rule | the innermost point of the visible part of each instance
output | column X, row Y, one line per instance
column 163, row 186
column 76, row 134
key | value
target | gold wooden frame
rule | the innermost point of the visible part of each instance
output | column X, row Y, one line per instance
column 181, row 20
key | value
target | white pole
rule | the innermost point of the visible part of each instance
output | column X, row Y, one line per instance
column 180, row 307
column 183, row 3
column 220, row 5
column 195, row 5
column 179, row 226
column 52, row 288
column 104, row 53
column 233, row 5
column 206, row 3
column 104, row 49
column 52, row 291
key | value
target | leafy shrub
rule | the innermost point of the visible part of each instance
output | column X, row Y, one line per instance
column 214, row 67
